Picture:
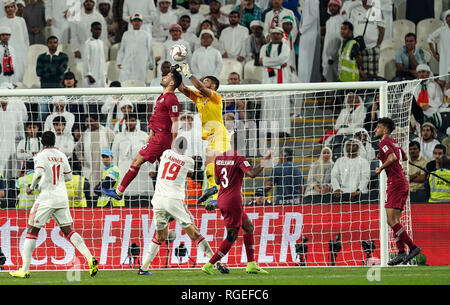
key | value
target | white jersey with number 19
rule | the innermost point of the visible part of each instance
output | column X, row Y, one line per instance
column 52, row 186
column 172, row 174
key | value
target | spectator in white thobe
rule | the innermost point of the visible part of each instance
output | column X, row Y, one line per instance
column 309, row 43
column 274, row 57
column 63, row 141
column 94, row 71
column 186, row 33
column 19, row 38
column 7, row 75
column 332, row 41
column 442, row 37
column 206, row 59
column 351, row 173
column 175, row 38
column 56, row 15
column 59, row 109
column 164, row 18
column 352, row 115
column 11, row 132
column 232, row 39
column 428, row 94
column 273, row 17
column 135, row 54
column 144, row 7
column 80, row 30
column 196, row 17
column 287, row 24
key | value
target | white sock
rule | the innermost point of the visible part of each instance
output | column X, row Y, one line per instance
column 28, row 248
column 78, row 242
column 152, row 251
column 204, row 246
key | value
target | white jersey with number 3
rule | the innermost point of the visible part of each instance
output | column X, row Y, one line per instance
column 172, row 174
column 52, row 186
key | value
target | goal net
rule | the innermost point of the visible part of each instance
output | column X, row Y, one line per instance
column 319, row 204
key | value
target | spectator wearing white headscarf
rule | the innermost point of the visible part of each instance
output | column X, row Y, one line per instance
column 441, row 37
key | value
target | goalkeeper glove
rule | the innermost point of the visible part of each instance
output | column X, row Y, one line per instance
column 211, row 206
column 184, row 69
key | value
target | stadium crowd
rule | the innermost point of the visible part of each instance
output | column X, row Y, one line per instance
column 114, row 43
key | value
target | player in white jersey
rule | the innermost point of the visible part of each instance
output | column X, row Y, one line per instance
column 168, row 203
column 51, row 171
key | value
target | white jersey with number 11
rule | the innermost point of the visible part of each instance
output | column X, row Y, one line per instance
column 172, row 174
column 52, row 186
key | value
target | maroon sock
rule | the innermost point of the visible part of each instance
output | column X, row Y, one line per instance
column 399, row 243
column 129, row 176
column 225, row 246
column 400, row 231
column 249, row 242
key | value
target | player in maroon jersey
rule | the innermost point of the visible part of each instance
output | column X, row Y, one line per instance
column 162, row 132
column 391, row 156
column 230, row 168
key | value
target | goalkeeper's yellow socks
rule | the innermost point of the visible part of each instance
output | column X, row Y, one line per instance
column 210, row 178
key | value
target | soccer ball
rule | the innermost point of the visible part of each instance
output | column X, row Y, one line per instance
column 178, row 52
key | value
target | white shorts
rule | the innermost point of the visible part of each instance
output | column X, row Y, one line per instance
column 163, row 208
column 40, row 215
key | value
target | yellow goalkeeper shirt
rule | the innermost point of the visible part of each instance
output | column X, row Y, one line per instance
column 213, row 127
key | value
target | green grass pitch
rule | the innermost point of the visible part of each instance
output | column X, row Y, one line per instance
column 421, row 275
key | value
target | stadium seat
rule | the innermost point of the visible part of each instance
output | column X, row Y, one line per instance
column 427, row 26
column 391, row 43
column 34, row 51
column 112, row 71
column 252, row 73
column 133, row 83
column 386, row 64
column 403, row 27
column 30, row 79
column 230, row 65
column 113, row 51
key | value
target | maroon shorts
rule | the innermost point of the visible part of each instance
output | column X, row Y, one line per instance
column 233, row 213
column 153, row 149
column 397, row 196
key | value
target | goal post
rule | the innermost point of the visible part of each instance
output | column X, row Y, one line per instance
column 307, row 229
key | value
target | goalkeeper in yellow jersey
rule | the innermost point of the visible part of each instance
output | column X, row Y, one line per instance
column 209, row 105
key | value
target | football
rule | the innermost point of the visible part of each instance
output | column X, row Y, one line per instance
column 178, row 52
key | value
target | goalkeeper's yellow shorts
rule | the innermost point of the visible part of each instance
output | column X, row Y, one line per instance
column 218, row 141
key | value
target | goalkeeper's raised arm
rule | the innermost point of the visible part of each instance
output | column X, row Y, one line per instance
column 204, row 90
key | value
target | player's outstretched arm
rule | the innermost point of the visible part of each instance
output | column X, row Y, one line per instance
column 256, row 170
column 184, row 68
